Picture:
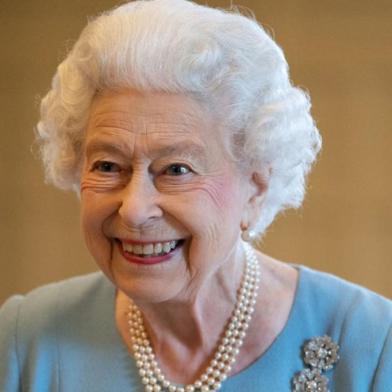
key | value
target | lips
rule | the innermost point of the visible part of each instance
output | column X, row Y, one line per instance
column 150, row 249
column 148, row 252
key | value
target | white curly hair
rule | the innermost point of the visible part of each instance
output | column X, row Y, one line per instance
column 177, row 46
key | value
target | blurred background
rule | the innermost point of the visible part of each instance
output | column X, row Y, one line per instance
column 340, row 51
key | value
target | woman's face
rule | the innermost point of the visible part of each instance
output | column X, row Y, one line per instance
column 162, row 202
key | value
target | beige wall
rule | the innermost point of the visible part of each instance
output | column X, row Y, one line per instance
column 338, row 50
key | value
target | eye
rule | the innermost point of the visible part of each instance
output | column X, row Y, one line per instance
column 177, row 169
column 106, row 167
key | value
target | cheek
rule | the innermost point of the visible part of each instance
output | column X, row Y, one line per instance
column 222, row 211
column 208, row 207
column 211, row 214
column 95, row 210
column 222, row 194
column 97, row 203
column 98, row 184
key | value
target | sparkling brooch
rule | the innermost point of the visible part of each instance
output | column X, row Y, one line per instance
column 319, row 354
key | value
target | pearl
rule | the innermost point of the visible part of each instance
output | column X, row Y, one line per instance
column 161, row 378
column 226, row 352
column 222, row 377
column 225, row 357
column 221, row 349
column 210, row 380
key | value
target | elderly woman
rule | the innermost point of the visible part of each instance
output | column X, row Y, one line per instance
column 178, row 127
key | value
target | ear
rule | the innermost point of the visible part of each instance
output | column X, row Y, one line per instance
column 257, row 190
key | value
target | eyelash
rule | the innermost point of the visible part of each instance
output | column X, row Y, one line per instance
column 100, row 166
column 178, row 165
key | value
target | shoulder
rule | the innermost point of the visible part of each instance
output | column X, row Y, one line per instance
column 40, row 304
column 60, row 336
column 345, row 300
column 34, row 319
column 356, row 318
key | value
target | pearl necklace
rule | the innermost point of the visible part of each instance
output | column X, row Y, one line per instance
column 226, row 352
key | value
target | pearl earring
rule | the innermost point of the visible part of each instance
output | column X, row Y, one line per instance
column 248, row 235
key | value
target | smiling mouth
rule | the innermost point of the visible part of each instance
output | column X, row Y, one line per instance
column 149, row 250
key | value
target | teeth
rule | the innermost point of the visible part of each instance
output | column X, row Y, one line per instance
column 155, row 249
column 148, row 249
column 127, row 247
column 166, row 247
column 138, row 249
column 158, row 248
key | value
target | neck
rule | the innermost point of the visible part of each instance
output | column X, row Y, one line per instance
column 194, row 320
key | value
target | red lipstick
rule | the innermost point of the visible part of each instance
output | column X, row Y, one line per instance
column 146, row 260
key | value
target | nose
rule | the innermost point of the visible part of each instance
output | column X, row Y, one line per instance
column 139, row 202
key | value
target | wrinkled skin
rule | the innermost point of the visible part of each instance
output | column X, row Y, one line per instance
column 131, row 190
column 156, row 168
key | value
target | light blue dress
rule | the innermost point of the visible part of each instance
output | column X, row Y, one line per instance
column 62, row 337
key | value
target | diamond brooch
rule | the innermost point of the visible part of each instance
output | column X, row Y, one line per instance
column 319, row 354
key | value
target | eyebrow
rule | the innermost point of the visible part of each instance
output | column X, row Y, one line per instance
column 99, row 145
column 189, row 148
column 185, row 148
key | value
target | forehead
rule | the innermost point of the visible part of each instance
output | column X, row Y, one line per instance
column 157, row 121
column 138, row 113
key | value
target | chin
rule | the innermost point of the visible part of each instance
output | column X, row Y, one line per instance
column 150, row 283
column 148, row 290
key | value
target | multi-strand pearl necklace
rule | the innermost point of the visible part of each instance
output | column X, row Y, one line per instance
column 226, row 352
